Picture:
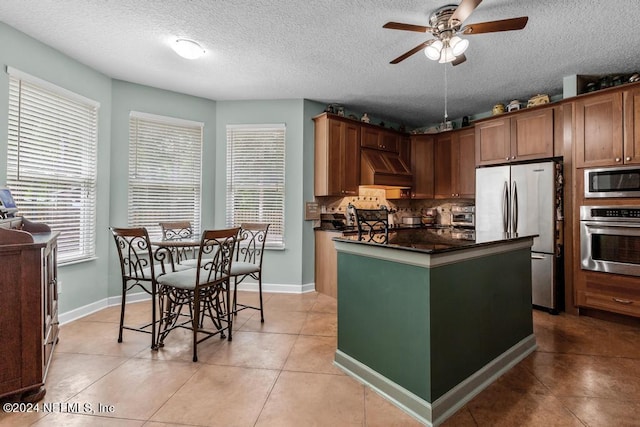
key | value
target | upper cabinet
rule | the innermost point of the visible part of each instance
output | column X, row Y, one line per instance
column 422, row 158
column 606, row 130
column 522, row 136
column 337, row 156
column 380, row 139
column 599, row 140
column 631, row 99
column 454, row 165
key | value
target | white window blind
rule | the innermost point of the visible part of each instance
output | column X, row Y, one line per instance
column 165, row 158
column 255, row 178
column 52, row 161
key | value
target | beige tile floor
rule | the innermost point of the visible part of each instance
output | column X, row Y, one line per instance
column 586, row 372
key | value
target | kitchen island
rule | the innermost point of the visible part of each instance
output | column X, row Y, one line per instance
column 430, row 322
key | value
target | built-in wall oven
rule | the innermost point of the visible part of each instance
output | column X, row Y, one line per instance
column 610, row 239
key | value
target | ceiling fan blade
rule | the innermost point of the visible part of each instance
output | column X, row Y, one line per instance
column 459, row 60
column 406, row 27
column 496, row 26
column 411, row 52
column 463, row 11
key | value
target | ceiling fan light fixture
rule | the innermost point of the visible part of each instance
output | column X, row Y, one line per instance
column 433, row 50
column 446, row 55
column 188, row 49
column 458, row 45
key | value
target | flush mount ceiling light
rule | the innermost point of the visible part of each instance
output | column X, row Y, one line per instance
column 188, row 48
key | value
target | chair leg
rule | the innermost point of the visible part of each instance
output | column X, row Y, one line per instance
column 122, row 306
column 235, row 295
column 154, row 316
column 229, row 314
column 260, row 292
column 195, row 319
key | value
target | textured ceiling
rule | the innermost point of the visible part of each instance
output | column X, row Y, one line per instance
column 336, row 51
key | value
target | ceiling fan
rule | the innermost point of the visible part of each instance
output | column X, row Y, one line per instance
column 446, row 26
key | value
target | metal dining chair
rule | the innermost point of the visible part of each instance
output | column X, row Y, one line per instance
column 139, row 272
column 179, row 230
column 372, row 224
column 249, row 262
column 203, row 291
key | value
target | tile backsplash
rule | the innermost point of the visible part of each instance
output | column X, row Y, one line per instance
column 373, row 198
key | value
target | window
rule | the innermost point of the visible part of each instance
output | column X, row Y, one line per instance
column 255, row 178
column 165, row 163
column 52, row 161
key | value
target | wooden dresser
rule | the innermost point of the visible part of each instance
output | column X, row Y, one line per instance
column 28, row 307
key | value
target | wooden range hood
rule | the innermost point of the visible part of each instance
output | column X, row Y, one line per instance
column 383, row 168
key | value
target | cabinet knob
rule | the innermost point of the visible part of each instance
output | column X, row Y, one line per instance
column 513, row 157
column 628, row 158
column 617, row 159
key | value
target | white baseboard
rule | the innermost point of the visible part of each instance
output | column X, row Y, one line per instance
column 77, row 313
column 433, row 414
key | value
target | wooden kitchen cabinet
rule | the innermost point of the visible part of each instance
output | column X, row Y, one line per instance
column 379, row 138
column 520, row 136
column 28, row 310
column 326, row 265
column 454, row 164
column 493, row 141
column 599, row 136
column 422, row 166
column 631, row 100
column 609, row 292
column 337, row 156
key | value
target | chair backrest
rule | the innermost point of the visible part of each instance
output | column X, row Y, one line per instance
column 252, row 238
column 216, row 255
column 134, row 251
column 176, row 230
column 372, row 224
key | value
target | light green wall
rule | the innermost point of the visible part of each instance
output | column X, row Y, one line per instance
column 89, row 282
column 281, row 267
column 129, row 97
column 85, row 282
column 311, row 109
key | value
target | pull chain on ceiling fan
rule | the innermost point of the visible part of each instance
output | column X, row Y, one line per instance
column 446, row 26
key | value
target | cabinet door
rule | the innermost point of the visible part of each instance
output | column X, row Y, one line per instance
column 350, row 161
column 599, row 130
column 493, row 142
column 369, row 137
column 404, row 149
column 532, row 135
column 422, row 166
column 389, row 141
column 443, row 163
column 465, row 180
column 632, row 126
column 334, row 160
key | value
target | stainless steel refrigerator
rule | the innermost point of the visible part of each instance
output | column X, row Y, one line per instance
column 522, row 199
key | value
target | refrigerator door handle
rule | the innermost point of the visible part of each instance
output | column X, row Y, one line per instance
column 505, row 207
column 514, row 208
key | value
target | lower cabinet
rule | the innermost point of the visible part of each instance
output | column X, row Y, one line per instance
column 28, row 314
column 326, row 265
column 608, row 292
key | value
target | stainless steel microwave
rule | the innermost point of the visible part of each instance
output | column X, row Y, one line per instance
column 612, row 182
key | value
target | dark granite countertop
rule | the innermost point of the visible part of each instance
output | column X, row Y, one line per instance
column 435, row 241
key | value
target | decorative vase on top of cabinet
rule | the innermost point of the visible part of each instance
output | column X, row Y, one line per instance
column 337, row 156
